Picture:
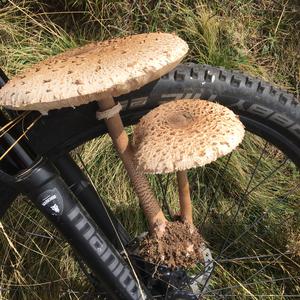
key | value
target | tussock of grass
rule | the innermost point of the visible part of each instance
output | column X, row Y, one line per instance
column 259, row 37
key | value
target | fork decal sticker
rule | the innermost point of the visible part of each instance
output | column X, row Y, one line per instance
column 52, row 201
column 99, row 245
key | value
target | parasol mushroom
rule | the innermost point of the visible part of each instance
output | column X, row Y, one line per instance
column 184, row 134
column 100, row 71
column 174, row 137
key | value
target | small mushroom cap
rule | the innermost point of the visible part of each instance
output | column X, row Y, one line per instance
column 85, row 74
column 184, row 134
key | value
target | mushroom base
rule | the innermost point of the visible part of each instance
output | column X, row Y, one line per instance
column 181, row 245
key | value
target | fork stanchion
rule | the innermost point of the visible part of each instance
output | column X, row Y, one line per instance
column 17, row 159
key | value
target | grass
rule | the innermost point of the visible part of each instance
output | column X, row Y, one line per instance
column 258, row 37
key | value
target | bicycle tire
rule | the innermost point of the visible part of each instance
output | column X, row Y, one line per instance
column 270, row 111
column 265, row 110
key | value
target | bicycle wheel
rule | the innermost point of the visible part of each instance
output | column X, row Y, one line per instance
column 249, row 201
column 246, row 204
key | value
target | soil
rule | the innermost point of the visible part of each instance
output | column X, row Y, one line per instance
column 181, row 245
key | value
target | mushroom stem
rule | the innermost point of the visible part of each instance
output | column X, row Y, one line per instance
column 184, row 197
column 147, row 200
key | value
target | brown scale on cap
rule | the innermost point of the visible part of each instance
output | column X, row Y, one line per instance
column 184, row 134
column 112, row 67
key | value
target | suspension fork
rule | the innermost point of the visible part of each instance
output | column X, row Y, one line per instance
column 48, row 191
column 51, row 195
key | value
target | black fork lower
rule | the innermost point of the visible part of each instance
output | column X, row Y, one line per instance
column 54, row 199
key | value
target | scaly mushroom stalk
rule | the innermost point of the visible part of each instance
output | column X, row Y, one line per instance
column 147, row 200
column 186, row 210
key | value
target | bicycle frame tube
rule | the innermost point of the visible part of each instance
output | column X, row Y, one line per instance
column 52, row 196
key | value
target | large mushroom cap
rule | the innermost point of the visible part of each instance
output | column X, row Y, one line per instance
column 84, row 74
column 184, row 134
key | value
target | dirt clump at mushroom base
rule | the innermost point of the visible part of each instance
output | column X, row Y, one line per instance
column 181, row 245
